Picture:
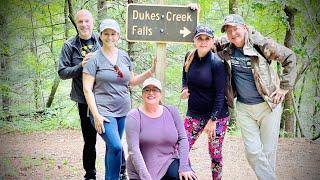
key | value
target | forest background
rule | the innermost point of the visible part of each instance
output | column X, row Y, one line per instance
column 33, row 98
column 39, row 124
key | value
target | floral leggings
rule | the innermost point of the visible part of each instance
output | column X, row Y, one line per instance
column 194, row 128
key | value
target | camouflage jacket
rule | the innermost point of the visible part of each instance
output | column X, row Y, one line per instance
column 262, row 51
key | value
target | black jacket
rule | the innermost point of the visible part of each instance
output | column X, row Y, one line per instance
column 70, row 65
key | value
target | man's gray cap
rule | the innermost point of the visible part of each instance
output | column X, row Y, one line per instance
column 232, row 20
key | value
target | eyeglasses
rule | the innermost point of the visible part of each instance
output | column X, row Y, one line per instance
column 148, row 90
column 118, row 71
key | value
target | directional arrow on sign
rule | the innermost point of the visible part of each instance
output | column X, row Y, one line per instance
column 185, row 31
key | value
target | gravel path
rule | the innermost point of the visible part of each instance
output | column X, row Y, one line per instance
column 57, row 155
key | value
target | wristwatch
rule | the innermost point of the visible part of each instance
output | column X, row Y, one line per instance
column 213, row 118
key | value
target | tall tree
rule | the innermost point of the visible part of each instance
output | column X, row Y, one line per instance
column 5, row 67
column 57, row 80
column 34, row 51
column 317, row 101
column 288, row 115
column 233, row 9
column 102, row 6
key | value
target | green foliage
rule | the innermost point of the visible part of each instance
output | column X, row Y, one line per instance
column 284, row 134
column 65, row 162
column 234, row 130
column 50, row 120
column 173, row 87
column 32, row 62
column 29, row 125
column 29, row 65
column 289, row 110
column 205, row 7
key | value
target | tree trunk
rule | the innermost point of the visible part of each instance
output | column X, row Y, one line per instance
column 5, row 69
column 301, row 92
column 317, row 94
column 57, row 80
column 131, row 54
column 66, row 12
column 299, row 106
column 36, row 84
column 233, row 9
column 71, row 15
column 288, row 115
column 34, row 51
column 131, row 44
column 102, row 6
column 53, row 91
column 316, row 103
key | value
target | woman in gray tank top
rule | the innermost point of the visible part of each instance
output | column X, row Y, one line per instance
column 106, row 78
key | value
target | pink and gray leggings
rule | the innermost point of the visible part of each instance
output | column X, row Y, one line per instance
column 194, row 128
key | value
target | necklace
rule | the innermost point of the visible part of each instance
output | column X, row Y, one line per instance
column 86, row 48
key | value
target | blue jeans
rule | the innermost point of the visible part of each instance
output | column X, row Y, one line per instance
column 112, row 136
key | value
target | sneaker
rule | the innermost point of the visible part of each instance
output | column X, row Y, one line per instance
column 123, row 176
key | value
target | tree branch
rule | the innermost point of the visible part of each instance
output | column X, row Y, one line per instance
column 71, row 16
column 39, row 27
column 27, row 46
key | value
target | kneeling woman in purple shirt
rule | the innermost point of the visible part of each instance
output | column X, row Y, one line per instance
column 157, row 142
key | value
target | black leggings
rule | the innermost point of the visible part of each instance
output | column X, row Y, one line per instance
column 89, row 136
column 172, row 172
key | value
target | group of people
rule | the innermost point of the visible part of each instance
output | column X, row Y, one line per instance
column 213, row 76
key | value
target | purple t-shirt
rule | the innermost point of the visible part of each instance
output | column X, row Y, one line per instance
column 153, row 144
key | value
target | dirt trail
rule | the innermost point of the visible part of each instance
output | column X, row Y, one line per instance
column 57, row 155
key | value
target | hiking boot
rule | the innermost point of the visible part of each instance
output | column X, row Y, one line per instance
column 90, row 175
column 123, row 177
